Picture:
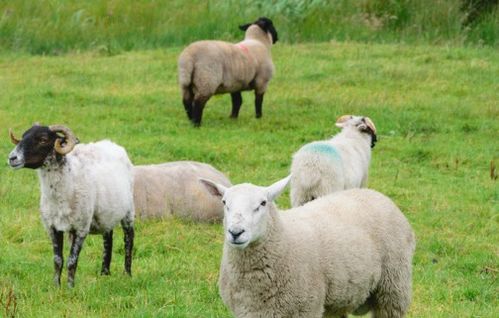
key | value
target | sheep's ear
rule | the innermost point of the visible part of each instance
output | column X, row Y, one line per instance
column 215, row 189
column 340, row 122
column 244, row 27
column 276, row 189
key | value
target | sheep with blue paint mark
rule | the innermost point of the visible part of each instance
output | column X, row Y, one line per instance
column 340, row 163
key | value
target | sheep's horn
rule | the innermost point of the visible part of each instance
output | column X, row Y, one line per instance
column 71, row 140
column 343, row 119
column 370, row 124
column 13, row 138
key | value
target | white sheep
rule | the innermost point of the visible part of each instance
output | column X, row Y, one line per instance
column 348, row 252
column 85, row 188
column 173, row 189
column 340, row 163
column 206, row 68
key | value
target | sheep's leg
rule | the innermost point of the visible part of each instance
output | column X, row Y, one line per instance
column 108, row 252
column 57, row 243
column 187, row 99
column 393, row 296
column 258, row 104
column 129, row 236
column 197, row 110
column 76, row 245
column 237, row 101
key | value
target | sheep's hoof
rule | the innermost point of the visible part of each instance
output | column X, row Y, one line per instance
column 57, row 282
column 105, row 272
column 71, row 284
column 258, row 115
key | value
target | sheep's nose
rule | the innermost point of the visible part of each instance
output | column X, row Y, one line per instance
column 12, row 158
column 236, row 233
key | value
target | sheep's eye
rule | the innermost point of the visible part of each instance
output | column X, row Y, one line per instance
column 263, row 203
column 44, row 140
column 223, row 201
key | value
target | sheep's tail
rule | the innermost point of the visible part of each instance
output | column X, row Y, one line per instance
column 305, row 186
column 308, row 176
column 185, row 71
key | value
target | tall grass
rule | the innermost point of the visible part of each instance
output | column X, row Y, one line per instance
column 53, row 27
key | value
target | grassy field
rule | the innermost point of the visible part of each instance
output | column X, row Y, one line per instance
column 436, row 109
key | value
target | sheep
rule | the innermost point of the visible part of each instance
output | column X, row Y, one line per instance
column 348, row 252
column 164, row 190
column 206, row 68
column 85, row 188
column 340, row 163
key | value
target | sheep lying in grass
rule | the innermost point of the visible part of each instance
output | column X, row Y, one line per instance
column 85, row 188
column 173, row 188
column 348, row 252
column 206, row 68
column 340, row 163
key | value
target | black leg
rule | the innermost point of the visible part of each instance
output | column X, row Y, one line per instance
column 237, row 101
column 76, row 245
column 188, row 108
column 57, row 243
column 258, row 105
column 197, row 111
column 129, row 236
column 108, row 252
column 187, row 99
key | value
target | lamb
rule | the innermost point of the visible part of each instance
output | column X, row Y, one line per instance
column 164, row 190
column 206, row 68
column 85, row 188
column 340, row 163
column 348, row 252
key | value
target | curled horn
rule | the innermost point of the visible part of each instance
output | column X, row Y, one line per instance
column 343, row 119
column 71, row 140
column 13, row 138
column 370, row 124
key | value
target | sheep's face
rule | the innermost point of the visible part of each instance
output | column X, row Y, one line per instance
column 34, row 147
column 246, row 210
column 40, row 142
column 363, row 124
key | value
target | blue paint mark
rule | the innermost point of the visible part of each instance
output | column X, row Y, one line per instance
column 322, row 148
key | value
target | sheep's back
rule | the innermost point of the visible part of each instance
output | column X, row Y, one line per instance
column 315, row 162
column 168, row 189
column 358, row 231
column 364, row 210
column 95, row 185
column 109, row 176
column 218, row 67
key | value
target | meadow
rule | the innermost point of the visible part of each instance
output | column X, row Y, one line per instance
column 436, row 110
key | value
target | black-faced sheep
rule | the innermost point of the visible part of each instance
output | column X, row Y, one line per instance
column 206, row 68
column 85, row 188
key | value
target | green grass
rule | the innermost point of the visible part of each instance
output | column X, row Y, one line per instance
column 55, row 27
column 436, row 109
